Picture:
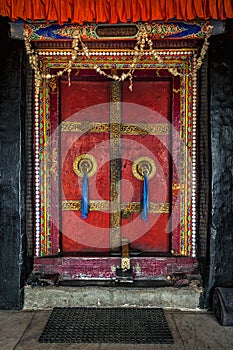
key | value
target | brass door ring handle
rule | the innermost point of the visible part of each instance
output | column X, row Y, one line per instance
column 85, row 163
column 144, row 166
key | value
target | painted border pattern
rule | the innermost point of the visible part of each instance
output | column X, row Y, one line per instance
column 159, row 30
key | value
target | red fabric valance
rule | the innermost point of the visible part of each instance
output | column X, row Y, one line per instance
column 114, row 11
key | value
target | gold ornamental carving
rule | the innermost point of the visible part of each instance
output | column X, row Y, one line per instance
column 115, row 168
column 144, row 129
column 177, row 186
column 84, row 127
column 136, row 207
column 93, row 205
column 131, row 207
column 125, row 264
column 53, row 159
column 141, row 129
column 53, row 84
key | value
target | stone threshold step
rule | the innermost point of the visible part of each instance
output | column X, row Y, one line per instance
column 184, row 298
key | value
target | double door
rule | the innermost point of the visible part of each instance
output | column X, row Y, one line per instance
column 111, row 137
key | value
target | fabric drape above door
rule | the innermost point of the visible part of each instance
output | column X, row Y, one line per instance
column 115, row 11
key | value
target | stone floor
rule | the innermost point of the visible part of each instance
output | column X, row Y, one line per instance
column 20, row 330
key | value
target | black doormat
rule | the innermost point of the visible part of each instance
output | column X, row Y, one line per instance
column 107, row 325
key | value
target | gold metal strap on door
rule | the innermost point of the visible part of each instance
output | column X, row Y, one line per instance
column 136, row 207
column 115, row 166
column 126, row 207
column 126, row 128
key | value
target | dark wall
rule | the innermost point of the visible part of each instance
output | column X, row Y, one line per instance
column 12, row 214
column 220, row 270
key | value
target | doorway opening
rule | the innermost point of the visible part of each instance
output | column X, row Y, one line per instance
column 116, row 136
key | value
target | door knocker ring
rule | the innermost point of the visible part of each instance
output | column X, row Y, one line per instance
column 85, row 163
column 144, row 166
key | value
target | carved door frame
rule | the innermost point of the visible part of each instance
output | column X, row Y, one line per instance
column 184, row 93
column 184, row 188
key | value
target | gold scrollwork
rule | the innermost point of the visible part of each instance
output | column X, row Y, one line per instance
column 155, row 208
column 53, row 83
column 85, row 127
column 53, row 168
column 131, row 207
column 93, row 205
column 85, row 163
column 177, row 186
column 176, row 90
column 131, row 129
column 163, row 208
column 115, row 175
column 71, row 205
column 144, row 166
column 144, row 129
column 141, row 129
column 125, row 264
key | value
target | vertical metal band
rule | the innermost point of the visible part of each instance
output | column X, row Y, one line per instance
column 115, row 164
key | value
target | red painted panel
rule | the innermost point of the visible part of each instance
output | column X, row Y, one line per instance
column 104, row 267
column 149, row 103
column 85, row 102
column 153, row 95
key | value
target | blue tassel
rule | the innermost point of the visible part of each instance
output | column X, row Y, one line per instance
column 145, row 199
column 84, row 202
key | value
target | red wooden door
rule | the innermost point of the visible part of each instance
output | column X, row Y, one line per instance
column 89, row 118
column 83, row 106
column 148, row 107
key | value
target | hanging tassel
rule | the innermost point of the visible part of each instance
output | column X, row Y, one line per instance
column 84, row 202
column 145, row 199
